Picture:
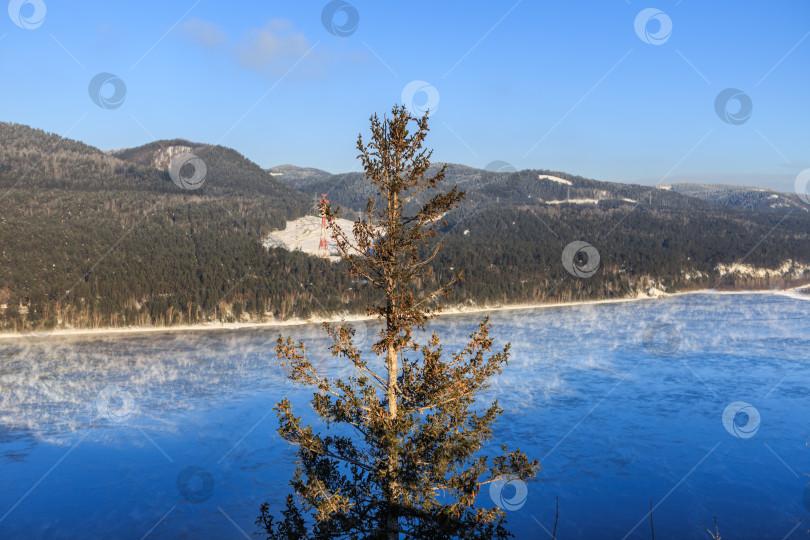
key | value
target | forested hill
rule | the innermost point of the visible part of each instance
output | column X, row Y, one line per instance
column 33, row 158
column 229, row 173
column 512, row 228
column 750, row 198
column 95, row 239
column 483, row 187
column 538, row 187
column 90, row 238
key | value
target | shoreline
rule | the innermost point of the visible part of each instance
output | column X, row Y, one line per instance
column 73, row 332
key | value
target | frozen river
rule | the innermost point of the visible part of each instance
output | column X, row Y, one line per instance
column 699, row 404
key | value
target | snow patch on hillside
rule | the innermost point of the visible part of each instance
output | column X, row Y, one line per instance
column 555, row 179
column 787, row 269
column 697, row 275
column 304, row 234
column 575, row 201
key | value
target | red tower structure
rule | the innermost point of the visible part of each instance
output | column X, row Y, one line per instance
column 323, row 247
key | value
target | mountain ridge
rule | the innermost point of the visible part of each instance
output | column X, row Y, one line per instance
column 95, row 239
column 467, row 177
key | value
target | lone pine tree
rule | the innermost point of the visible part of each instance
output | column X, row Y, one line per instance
column 407, row 462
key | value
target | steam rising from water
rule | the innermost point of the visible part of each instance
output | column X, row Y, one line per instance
column 51, row 386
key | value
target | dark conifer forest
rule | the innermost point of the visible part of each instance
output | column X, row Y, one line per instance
column 90, row 239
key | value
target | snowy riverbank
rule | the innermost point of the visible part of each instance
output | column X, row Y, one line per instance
column 65, row 332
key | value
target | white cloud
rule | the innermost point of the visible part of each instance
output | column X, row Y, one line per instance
column 275, row 44
column 204, row 33
column 269, row 51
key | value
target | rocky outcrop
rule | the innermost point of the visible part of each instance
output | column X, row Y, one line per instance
column 163, row 157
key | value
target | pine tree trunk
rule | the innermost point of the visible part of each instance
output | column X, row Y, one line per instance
column 392, row 524
column 393, row 368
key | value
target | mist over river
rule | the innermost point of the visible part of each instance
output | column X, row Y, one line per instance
column 699, row 404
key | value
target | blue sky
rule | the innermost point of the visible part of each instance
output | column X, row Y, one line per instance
column 569, row 86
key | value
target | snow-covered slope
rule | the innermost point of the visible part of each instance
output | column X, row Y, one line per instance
column 304, row 234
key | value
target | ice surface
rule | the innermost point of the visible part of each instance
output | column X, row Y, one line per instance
column 621, row 403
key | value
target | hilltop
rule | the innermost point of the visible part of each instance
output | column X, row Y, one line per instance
column 749, row 198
